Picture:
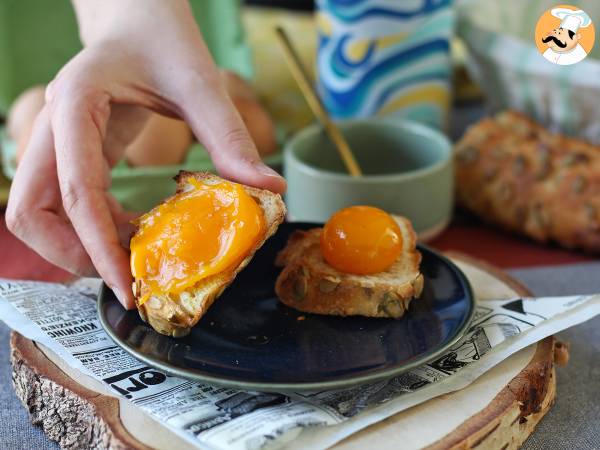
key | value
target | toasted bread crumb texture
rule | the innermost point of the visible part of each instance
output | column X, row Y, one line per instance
column 307, row 283
column 175, row 314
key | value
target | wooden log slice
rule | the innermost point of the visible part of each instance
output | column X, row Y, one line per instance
column 70, row 414
column 499, row 410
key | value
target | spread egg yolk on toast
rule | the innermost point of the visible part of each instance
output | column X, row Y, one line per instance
column 206, row 230
column 361, row 240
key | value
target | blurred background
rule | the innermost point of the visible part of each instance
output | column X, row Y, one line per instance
column 444, row 64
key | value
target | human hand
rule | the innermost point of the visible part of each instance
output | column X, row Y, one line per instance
column 59, row 202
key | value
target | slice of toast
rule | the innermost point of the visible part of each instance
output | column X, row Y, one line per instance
column 175, row 314
column 307, row 283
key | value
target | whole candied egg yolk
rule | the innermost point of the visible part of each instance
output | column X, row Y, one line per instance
column 361, row 240
column 202, row 231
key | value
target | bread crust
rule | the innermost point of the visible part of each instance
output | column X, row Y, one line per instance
column 307, row 283
column 514, row 173
column 176, row 315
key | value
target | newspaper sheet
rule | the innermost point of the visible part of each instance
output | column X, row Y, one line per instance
column 64, row 319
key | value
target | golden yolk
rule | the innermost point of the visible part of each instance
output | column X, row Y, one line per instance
column 195, row 234
column 361, row 240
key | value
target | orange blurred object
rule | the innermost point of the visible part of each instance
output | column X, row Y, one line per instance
column 163, row 141
column 361, row 240
column 260, row 125
column 195, row 234
column 256, row 118
column 21, row 116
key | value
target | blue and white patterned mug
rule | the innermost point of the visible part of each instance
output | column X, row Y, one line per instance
column 385, row 57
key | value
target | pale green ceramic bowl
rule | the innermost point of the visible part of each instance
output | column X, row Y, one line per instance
column 407, row 171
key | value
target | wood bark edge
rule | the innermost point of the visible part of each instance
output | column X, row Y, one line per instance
column 524, row 401
column 73, row 416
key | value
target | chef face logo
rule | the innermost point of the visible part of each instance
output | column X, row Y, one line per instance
column 561, row 40
column 565, row 35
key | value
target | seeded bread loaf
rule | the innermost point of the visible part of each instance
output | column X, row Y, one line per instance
column 512, row 172
column 307, row 283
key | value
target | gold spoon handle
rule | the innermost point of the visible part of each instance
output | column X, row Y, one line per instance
column 301, row 77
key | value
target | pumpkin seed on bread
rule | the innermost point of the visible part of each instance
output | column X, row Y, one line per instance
column 309, row 284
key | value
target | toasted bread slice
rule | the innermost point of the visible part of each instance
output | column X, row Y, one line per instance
column 307, row 283
column 175, row 315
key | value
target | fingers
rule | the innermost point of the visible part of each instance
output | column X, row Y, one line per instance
column 78, row 125
column 216, row 123
column 122, row 219
column 34, row 211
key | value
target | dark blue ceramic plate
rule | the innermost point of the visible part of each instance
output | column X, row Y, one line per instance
column 249, row 340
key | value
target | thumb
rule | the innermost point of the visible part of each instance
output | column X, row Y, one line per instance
column 215, row 122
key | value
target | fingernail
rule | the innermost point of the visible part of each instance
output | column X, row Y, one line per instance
column 266, row 170
column 122, row 299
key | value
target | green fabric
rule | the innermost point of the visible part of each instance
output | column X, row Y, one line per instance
column 37, row 37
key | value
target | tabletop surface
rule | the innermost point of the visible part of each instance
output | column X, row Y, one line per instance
column 571, row 423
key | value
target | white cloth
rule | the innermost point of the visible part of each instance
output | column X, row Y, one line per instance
column 566, row 58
